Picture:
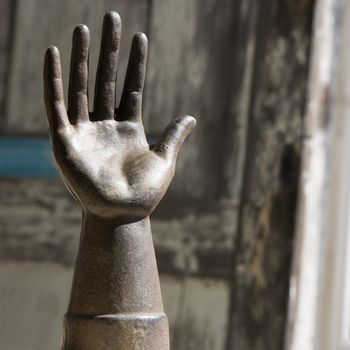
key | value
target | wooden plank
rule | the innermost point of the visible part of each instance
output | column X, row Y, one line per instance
column 6, row 9
column 264, row 239
column 197, row 312
column 26, row 157
column 40, row 221
column 34, row 32
column 320, row 293
column 190, row 71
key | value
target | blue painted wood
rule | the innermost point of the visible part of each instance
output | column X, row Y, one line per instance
column 26, row 157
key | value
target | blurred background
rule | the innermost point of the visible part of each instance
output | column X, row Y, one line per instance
column 224, row 232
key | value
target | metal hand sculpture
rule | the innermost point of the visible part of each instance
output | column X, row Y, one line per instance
column 118, row 179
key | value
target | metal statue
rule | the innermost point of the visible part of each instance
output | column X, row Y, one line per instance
column 118, row 179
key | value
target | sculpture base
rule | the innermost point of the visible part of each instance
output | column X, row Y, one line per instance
column 117, row 332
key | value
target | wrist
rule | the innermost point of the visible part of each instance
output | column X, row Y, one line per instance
column 89, row 216
column 117, row 253
column 104, row 236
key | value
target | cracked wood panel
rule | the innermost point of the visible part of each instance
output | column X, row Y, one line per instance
column 39, row 24
column 40, row 221
column 196, row 308
column 266, row 223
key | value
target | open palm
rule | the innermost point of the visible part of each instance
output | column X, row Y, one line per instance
column 104, row 156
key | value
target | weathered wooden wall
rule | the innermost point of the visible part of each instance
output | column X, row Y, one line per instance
column 224, row 232
column 264, row 241
column 39, row 24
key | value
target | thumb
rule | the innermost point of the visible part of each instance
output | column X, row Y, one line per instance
column 174, row 135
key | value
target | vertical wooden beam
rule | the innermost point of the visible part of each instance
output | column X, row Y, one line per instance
column 6, row 10
column 319, row 291
column 263, row 246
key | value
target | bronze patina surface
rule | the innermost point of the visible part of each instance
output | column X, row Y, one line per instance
column 118, row 180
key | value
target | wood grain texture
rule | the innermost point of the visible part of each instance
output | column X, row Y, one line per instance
column 6, row 10
column 318, row 311
column 266, row 223
column 190, row 71
column 197, row 310
column 40, row 221
column 34, row 32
